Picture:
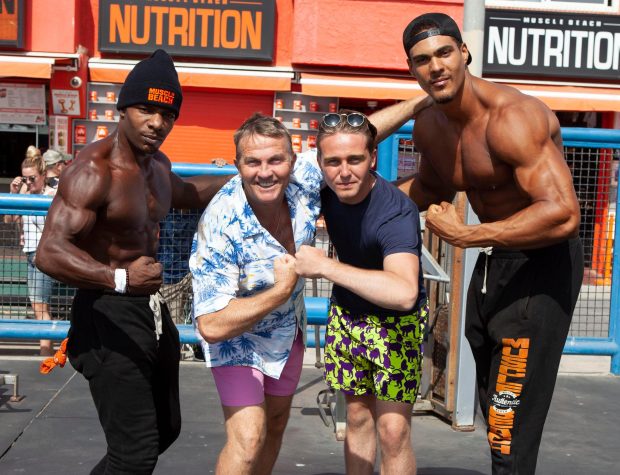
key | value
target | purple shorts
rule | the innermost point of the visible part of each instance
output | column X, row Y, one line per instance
column 247, row 386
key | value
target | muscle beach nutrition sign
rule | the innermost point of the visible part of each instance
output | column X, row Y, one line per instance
column 232, row 29
column 552, row 44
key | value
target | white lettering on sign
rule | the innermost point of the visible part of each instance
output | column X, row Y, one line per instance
column 551, row 47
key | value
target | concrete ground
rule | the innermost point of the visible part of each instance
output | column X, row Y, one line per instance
column 54, row 429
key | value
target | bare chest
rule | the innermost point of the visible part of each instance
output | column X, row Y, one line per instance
column 281, row 228
column 466, row 163
column 138, row 200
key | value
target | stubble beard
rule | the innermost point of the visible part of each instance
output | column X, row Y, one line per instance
column 444, row 99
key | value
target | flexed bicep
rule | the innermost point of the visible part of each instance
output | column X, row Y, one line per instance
column 540, row 170
column 540, row 173
column 71, row 218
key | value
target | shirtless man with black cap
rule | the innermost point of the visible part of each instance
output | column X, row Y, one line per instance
column 504, row 150
column 101, row 236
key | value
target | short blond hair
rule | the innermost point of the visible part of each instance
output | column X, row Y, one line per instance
column 265, row 126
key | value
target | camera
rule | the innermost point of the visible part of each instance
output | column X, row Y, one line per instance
column 75, row 82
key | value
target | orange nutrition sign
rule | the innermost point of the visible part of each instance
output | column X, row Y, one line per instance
column 229, row 29
column 11, row 23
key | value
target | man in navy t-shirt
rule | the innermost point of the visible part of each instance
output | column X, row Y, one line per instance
column 378, row 311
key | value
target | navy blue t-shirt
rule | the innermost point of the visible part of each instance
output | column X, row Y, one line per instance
column 386, row 222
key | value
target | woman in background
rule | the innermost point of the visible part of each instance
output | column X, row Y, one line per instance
column 40, row 285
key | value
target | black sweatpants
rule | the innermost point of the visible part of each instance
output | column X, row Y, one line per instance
column 517, row 331
column 133, row 377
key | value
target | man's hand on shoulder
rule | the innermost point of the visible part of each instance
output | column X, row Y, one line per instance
column 389, row 119
column 219, row 162
column 144, row 276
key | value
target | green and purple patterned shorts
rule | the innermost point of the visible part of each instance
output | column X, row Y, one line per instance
column 371, row 355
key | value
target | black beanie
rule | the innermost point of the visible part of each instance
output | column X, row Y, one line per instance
column 152, row 81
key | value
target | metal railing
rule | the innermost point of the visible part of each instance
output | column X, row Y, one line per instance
column 592, row 155
column 176, row 233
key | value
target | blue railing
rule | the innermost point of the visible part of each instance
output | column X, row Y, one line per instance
column 317, row 308
column 580, row 138
column 57, row 329
column 19, row 204
column 387, row 152
column 38, row 205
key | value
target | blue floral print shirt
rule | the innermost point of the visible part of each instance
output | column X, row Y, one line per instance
column 232, row 257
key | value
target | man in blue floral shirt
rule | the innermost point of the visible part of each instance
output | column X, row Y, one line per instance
column 248, row 300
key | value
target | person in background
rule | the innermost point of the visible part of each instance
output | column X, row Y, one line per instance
column 55, row 163
column 40, row 285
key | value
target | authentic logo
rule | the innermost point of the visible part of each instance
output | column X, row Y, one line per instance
column 162, row 96
column 504, row 401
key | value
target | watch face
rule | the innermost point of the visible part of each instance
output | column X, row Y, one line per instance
column 52, row 181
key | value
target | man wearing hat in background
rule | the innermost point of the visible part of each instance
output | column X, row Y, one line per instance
column 504, row 150
column 55, row 163
column 101, row 236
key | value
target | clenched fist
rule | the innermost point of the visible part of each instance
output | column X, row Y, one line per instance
column 284, row 275
column 444, row 221
column 309, row 260
column 144, row 276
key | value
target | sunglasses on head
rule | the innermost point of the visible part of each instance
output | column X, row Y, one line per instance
column 29, row 179
column 355, row 119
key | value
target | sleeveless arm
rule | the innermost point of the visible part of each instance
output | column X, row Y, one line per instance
column 522, row 136
column 195, row 192
column 71, row 217
column 389, row 119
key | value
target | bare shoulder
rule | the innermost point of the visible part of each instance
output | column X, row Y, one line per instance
column 509, row 106
column 518, row 124
column 163, row 160
column 86, row 182
column 164, row 165
column 428, row 128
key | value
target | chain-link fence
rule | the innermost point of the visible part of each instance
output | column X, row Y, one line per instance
column 595, row 177
column 594, row 170
column 595, row 180
column 20, row 284
column 175, row 240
